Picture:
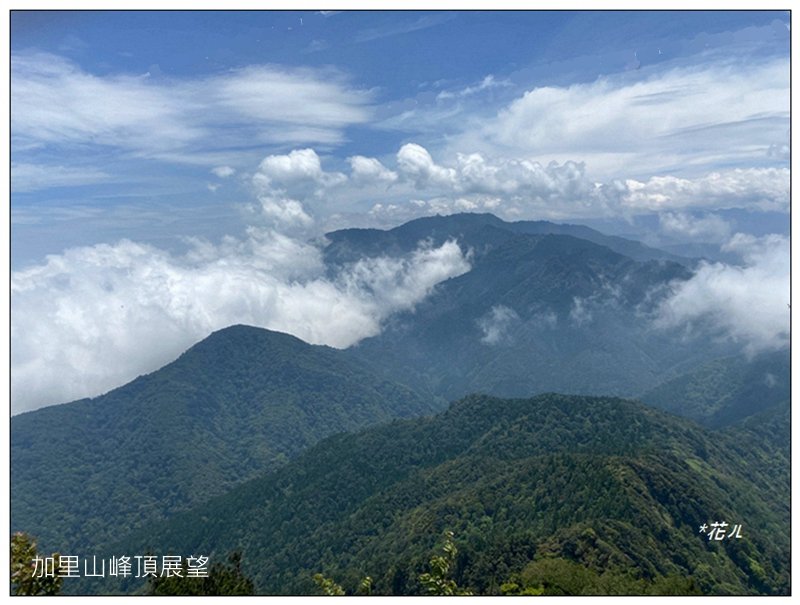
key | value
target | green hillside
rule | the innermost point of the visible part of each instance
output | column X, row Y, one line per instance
column 724, row 391
column 240, row 403
column 612, row 491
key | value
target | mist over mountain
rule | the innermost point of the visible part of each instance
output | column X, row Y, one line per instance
column 542, row 309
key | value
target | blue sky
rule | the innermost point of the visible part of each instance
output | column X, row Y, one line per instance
column 119, row 118
column 171, row 171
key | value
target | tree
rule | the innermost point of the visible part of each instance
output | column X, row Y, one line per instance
column 327, row 586
column 32, row 574
column 437, row 580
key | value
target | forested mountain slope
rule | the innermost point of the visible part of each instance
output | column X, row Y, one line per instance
column 238, row 404
column 606, row 484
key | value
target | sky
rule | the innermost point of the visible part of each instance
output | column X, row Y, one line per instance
column 170, row 171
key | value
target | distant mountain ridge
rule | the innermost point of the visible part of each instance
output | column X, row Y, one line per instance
column 239, row 403
column 350, row 244
column 540, row 310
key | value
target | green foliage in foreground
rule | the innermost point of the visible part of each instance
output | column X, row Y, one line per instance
column 436, row 581
column 543, row 576
column 26, row 578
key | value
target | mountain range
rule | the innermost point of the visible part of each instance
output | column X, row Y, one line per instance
column 542, row 309
column 350, row 462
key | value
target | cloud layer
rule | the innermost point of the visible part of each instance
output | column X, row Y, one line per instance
column 522, row 187
column 95, row 317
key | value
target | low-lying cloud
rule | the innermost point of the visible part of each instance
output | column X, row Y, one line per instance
column 93, row 318
column 710, row 227
column 496, row 325
column 746, row 304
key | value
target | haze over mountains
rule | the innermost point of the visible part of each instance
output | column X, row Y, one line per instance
column 223, row 433
column 543, row 308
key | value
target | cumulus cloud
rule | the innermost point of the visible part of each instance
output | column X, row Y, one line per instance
column 755, row 188
column 496, row 325
column 521, row 177
column 370, row 170
column 416, row 163
column 474, row 181
column 284, row 212
column 298, row 173
column 520, row 187
column 95, row 317
column 286, row 182
column 746, row 304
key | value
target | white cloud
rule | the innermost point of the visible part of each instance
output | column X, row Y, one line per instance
column 474, row 174
column 779, row 150
column 370, row 170
column 298, row 173
column 756, row 188
column 416, row 163
column 707, row 228
column 747, row 304
column 580, row 312
column 284, row 212
column 520, row 187
column 487, row 83
column 300, row 97
column 288, row 182
column 496, row 324
column 653, row 121
column 223, row 172
column 521, row 177
column 93, row 318
column 33, row 177
column 55, row 103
